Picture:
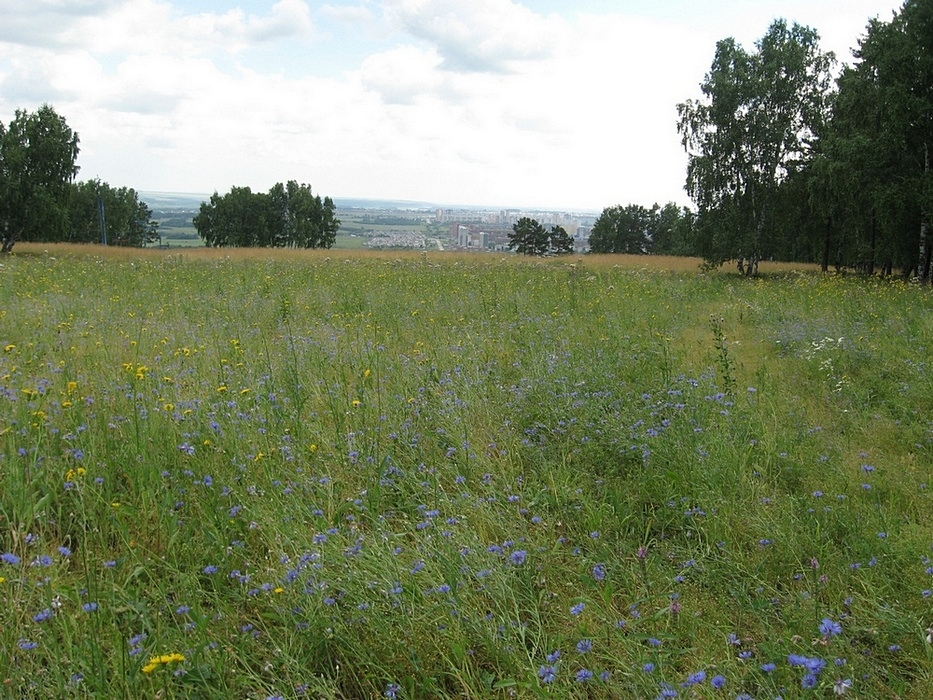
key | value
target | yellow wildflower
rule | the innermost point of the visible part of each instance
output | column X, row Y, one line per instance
column 161, row 660
column 8, row 348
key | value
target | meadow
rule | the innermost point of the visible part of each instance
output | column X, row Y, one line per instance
column 349, row 475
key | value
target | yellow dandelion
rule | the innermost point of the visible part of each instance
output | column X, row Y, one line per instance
column 9, row 348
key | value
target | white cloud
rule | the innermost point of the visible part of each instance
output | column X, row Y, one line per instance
column 480, row 35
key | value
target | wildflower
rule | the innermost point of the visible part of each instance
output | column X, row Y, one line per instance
column 392, row 691
column 648, row 667
column 694, row 679
column 584, row 645
column 599, row 572
column 9, row 558
column 768, row 668
column 26, row 644
column 830, row 628
column 718, row 682
column 583, row 675
column 89, row 607
column 553, row 657
column 518, row 557
column 577, row 609
column 164, row 659
column 547, row 673
column 841, row 686
column 42, row 615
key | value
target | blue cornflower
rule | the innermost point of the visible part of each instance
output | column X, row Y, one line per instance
column 599, row 572
column 210, row 569
column 26, row 644
column 768, row 668
column 583, row 675
column 553, row 657
column 547, row 674
column 694, row 679
column 577, row 609
column 43, row 615
column 808, row 681
column 648, row 667
column 830, row 628
column 718, row 682
column 518, row 557
column 584, row 645
column 9, row 558
column 89, row 607
column 392, row 691
column 796, row 659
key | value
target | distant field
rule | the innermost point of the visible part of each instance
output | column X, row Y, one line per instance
column 350, row 474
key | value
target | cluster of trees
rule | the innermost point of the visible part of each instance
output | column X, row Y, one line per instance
column 39, row 199
column 287, row 215
column 529, row 237
column 786, row 162
column 636, row 230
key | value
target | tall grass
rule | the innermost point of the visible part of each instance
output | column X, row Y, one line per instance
column 342, row 476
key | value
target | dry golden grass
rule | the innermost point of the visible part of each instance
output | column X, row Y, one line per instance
column 660, row 263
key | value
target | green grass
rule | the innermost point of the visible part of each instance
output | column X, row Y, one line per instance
column 338, row 475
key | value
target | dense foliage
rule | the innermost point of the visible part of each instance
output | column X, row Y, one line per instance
column 529, row 237
column 784, row 164
column 39, row 200
column 38, row 154
column 635, row 230
column 288, row 215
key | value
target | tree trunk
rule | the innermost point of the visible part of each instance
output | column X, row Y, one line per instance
column 829, row 227
column 923, row 262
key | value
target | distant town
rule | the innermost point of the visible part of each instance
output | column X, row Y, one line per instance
column 384, row 224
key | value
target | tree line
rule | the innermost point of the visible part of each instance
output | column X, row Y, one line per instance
column 40, row 200
column 787, row 162
column 287, row 216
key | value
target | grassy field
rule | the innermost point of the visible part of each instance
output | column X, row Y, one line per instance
column 337, row 474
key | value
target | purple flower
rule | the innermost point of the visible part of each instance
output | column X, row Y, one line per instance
column 547, row 673
column 9, row 558
column 577, row 609
column 599, row 572
column 26, row 645
column 518, row 557
column 718, row 682
column 553, row 657
column 584, row 645
column 694, row 679
column 210, row 569
column 42, row 615
column 830, row 628
column 392, row 691
column 583, row 675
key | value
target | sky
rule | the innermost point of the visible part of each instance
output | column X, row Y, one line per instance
column 549, row 104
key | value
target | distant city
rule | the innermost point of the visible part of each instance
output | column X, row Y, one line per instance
column 398, row 224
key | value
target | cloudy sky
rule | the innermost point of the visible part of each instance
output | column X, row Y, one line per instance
column 526, row 103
